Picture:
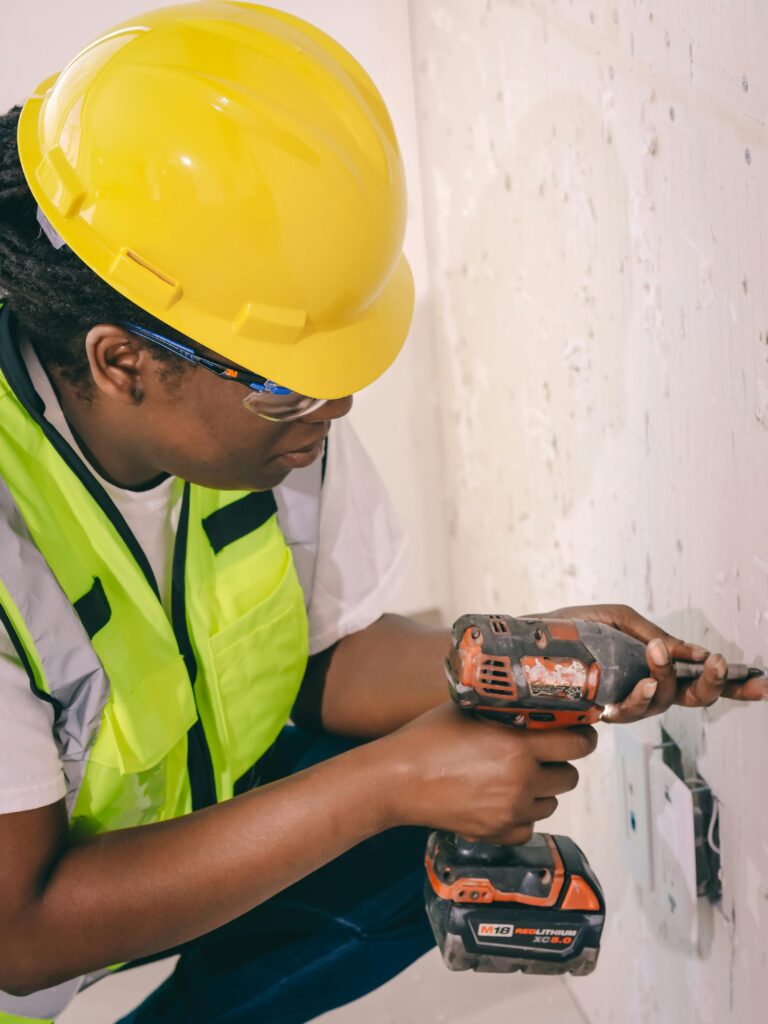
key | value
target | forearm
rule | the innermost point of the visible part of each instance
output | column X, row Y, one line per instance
column 131, row 893
column 374, row 681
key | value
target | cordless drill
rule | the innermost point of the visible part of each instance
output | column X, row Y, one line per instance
column 537, row 907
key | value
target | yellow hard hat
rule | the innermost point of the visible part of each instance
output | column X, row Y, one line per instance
column 233, row 171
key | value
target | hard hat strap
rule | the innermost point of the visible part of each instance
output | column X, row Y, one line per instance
column 50, row 231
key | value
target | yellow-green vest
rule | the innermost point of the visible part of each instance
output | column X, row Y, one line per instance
column 155, row 715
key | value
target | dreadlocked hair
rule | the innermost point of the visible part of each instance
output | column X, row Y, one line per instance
column 54, row 297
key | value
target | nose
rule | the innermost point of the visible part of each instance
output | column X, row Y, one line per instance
column 333, row 409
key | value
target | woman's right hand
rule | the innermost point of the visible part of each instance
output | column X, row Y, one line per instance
column 477, row 777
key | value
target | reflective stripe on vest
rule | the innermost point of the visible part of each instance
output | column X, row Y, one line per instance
column 56, row 639
column 141, row 704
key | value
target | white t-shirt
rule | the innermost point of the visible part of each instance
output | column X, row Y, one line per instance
column 361, row 555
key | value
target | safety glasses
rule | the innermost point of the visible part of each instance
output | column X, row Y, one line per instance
column 265, row 398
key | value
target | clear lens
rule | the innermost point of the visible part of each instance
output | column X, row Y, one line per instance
column 280, row 408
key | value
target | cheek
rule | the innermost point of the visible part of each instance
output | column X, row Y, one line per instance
column 216, row 442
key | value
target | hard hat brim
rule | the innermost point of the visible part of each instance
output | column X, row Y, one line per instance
column 332, row 364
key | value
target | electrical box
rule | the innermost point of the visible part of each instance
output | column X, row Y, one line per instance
column 675, row 850
column 669, row 828
column 686, row 843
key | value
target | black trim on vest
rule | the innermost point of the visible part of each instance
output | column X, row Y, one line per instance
column 202, row 781
column 94, row 609
column 18, row 378
column 239, row 518
column 26, row 664
column 178, row 588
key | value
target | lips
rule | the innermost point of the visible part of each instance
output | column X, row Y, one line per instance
column 298, row 457
column 307, row 447
column 305, row 457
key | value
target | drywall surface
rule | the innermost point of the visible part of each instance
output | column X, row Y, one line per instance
column 595, row 183
column 397, row 416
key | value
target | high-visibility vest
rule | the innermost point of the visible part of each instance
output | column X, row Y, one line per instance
column 155, row 715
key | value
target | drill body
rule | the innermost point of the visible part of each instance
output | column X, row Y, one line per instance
column 537, row 907
column 541, row 673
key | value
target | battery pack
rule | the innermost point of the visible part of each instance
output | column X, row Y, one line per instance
column 536, row 908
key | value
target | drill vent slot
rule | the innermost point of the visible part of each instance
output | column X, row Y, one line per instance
column 495, row 678
column 499, row 626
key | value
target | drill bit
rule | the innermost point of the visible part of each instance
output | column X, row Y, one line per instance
column 737, row 673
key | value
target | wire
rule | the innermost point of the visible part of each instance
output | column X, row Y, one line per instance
column 698, row 782
column 712, row 823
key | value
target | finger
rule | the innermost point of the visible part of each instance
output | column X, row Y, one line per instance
column 636, row 706
column 682, row 651
column 662, row 669
column 556, row 779
column 752, row 689
column 634, row 624
column 516, row 836
column 705, row 690
column 563, row 744
column 544, row 807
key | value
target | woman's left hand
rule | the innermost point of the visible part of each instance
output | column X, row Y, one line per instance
column 662, row 688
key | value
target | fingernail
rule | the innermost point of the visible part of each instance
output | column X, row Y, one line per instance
column 722, row 669
column 650, row 687
column 659, row 653
column 699, row 652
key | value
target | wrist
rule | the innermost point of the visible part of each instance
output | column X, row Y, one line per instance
column 385, row 777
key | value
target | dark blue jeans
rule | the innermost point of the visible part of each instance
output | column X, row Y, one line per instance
column 329, row 939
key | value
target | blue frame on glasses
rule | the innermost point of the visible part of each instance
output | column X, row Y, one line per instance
column 254, row 381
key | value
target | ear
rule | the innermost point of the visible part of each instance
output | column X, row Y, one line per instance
column 118, row 362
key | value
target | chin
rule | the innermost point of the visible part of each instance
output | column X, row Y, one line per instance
column 266, row 481
column 262, row 479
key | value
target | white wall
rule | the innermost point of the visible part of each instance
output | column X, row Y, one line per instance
column 397, row 416
column 596, row 175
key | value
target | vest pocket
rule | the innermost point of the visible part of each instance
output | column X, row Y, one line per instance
column 259, row 662
column 137, row 731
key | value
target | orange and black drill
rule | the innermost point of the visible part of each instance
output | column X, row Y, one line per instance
column 538, row 907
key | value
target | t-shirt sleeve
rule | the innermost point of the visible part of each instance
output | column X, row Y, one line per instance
column 362, row 551
column 30, row 770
